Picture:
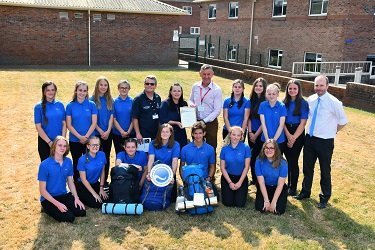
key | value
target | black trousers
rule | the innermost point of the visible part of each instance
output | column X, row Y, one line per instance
column 234, row 198
column 43, row 149
column 68, row 216
column 322, row 149
column 281, row 202
column 86, row 197
column 106, row 146
column 292, row 156
column 76, row 150
column 118, row 142
column 255, row 150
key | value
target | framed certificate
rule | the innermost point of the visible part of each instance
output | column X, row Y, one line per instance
column 188, row 116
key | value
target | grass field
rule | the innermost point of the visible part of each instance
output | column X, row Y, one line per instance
column 348, row 223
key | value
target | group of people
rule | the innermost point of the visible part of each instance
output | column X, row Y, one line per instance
column 272, row 128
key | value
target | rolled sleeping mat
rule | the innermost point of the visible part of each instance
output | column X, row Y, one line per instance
column 122, row 208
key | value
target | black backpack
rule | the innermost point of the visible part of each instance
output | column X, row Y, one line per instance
column 124, row 186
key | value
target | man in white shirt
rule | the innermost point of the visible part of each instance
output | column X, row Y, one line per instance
column 206, row 96
column 326, row 118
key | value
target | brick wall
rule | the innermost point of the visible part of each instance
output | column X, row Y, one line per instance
column 360, row 96
column 38, row 37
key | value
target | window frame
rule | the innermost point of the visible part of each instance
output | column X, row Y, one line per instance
column 194, row 29
column 317, row 67
column 283, row 5
column 64, row 15
column 188, row 9
column 214, row 8
column 279, row 58
column 236, row 10
column 232, row 50
column 97, row 17
column 211, row 50
column 321, row 8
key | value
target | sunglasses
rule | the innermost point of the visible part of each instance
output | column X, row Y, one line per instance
column 150, row 83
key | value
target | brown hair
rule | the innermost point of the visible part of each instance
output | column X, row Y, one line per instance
column 276, row 158
column 53, row 147
column 158, row 143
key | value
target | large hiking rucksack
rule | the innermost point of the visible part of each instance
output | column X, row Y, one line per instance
column 124, row 187
column 155, row 198
column 194, row 182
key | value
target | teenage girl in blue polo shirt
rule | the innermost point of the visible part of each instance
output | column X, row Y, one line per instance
column 236, row 108
column 49, row 119
column 271, row 170
column 104, row 104
column 257, row 96
column 272, row 116
column 234, row 165
column 81, row 119
column 53, row 175
column 91, row 169
column 132, row 156
column 164, row 149
column 122, row 121
column 298, row 111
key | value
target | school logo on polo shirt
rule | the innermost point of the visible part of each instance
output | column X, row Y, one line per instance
column 161, row 175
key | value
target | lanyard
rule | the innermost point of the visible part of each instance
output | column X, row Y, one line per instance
column 204, row 94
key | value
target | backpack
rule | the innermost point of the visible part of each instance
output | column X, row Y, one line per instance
column 155, row 198
column 124, row 186
column 194, row 182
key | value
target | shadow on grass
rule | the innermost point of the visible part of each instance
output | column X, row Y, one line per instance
column 307, row 226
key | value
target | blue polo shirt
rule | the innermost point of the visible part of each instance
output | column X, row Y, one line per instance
column 272, row 117
column 55, row 175
column 55, row 113
column 92, row 166
column 270, row 174
column 147, row 111
column 235, row 114
column 122, row 113
column 304, row 112
column 205, row 155
column 140, row 158
column 81, row 114
column 103, row 114
column 164, row 154
column 235, row 157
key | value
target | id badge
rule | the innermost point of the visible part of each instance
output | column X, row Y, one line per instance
column 200, row 108
column 155, row 116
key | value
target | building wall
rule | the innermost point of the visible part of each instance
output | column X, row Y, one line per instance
column 38, row 37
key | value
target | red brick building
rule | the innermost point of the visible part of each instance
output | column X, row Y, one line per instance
column 88, row 33
column 284, row 31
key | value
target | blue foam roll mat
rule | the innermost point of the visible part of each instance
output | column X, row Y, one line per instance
column 122, row 208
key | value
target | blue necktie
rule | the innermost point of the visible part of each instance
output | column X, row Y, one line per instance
column 312, row 125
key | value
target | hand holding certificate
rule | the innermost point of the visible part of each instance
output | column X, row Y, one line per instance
column 188, row 116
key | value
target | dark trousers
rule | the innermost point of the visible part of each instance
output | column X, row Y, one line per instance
column 282, row 147
column 211, row 133
column 322, row 149
column 234, row 198
column 255, row 150
column 281, row 202
column 292, row 156
column 68, row 216
column 106, row 146
column 76, row 150
column 118, row 142
column 43, row 149
column 86, row 197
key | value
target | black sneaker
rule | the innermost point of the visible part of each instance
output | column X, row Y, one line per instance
column 302, row 196
column 292, row 192
column 322, row 204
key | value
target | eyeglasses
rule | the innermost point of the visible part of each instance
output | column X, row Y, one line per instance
column 94, row 145
column 269, row 148
column 124, row 88
column 150, row 83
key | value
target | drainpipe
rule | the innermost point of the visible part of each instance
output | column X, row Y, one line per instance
column 251, row 29
column 89, row 38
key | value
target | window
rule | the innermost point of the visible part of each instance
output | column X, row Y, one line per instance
column 211, row 50
column 188, row 9
column 212, row 11
column 78, row 15
column 275, row 58
column 233, row 10
column 63, row 15
column 111, row 17
column 318, row 7
column 279, row 7
column 312, row 62
column 97, row 17
column 180, row 30
column 195, row 30
column 232, row 53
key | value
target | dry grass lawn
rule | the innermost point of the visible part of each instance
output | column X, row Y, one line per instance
column 348, row 223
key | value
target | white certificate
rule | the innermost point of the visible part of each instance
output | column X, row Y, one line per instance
column 188, row 116
column 144, row 145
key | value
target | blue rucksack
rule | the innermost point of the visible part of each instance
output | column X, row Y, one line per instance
column 155, row 198
column 194, row 182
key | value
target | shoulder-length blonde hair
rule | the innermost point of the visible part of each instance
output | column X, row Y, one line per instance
column 107, row 94
column 227, row 138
